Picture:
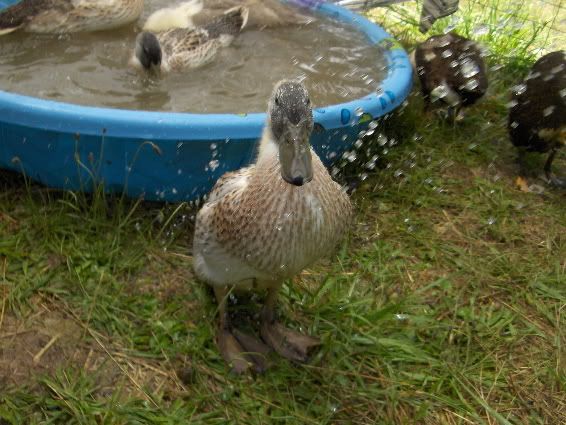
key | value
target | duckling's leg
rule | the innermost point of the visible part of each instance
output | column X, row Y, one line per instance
column 522, row 161
column 231, row 350
column 555, row 181
column 290, row 344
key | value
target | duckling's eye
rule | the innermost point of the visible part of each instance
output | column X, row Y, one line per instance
column 277, row 100
column 308, row 101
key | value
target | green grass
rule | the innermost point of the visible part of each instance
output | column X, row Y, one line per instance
column 445, row 305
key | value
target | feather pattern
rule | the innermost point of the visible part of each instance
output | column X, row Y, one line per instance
column 67, row 16
column 194, row 47
column 256, row 226
column 451, row 69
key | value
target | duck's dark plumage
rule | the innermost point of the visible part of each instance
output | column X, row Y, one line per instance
column 538, row 112
column 454, row 62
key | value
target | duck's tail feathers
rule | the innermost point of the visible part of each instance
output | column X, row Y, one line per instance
column 173, row 17
column 5, row 31
column 15, row 16
column 238, row 15
column 230, row 23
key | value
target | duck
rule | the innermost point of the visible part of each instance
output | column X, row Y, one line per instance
column 179, row 16
column 68, row 16
column 265, row 223
column 185, row 48
column 451, row 71
column 263, row 13
column 537, row 113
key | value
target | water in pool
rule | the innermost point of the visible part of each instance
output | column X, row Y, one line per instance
column 92, row 69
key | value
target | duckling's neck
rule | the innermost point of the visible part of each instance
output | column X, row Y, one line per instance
column 268, row 150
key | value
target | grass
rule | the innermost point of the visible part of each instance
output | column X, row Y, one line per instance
column 444, row 306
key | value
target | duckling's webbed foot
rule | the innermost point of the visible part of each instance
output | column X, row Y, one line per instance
column 232, row 352
column 288, row 343
column 242, row 352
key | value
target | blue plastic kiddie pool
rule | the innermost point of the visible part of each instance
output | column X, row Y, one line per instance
column 169, row 156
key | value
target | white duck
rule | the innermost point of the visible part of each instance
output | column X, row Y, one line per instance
column 267, row 222
column 67, row 16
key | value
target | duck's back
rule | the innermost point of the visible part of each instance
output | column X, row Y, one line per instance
column 539, row 104
column 60, row 16
column 454, row 61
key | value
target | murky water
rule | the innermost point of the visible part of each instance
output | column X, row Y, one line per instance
column 92, row 69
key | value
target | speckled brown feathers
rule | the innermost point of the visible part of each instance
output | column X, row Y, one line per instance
column 537, row 117
column 280, row 228
column 451, row 69
column 67, row 16
column 194, row 47
column 265, row 228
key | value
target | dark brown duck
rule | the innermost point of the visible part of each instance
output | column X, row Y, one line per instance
column 537, row 117
column 451, row 70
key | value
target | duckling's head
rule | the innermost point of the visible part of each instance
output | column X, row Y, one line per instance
column 148, row 51
column 291, row 122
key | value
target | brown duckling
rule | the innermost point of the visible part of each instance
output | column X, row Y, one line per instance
column 184, row 48
column 265, row 223
column 537, row 116
column 451, row 71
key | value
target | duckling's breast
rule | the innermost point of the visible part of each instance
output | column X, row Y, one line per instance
column 278, row 228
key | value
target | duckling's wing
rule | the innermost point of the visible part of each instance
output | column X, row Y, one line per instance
column 230, row 182
column 189, row 48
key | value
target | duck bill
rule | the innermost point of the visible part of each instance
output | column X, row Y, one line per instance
column 296, row 161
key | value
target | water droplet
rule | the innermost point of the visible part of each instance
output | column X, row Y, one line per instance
column 401, row 317
column 439, row 92
column 471, row 84
column 446, row 53
column 512, row 104
column 429, row 56
column 519, row 89
column 548, row 111
column 213, row 165
column 359, row 112
column 481, row 29
column 350, row 156
column 469, row 68
column 491, row 221
column 381, row 140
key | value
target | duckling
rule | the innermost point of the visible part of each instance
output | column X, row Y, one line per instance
column 181, row 48
column 168, row 18
column 263, row 13
column 537, row 117
column 67, row 16
column 451, row 70
column 267, row 222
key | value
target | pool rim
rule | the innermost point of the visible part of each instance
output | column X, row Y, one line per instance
column 67, row 117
